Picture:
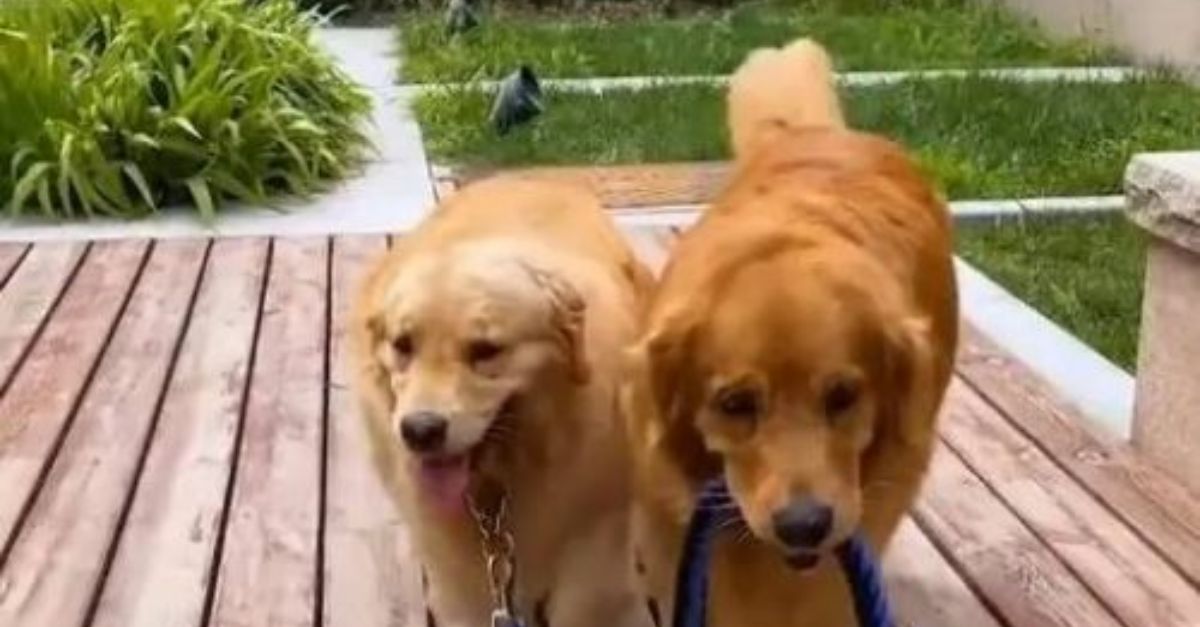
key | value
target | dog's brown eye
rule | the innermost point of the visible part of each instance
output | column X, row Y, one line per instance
column 739, row 403
column 840, row 398
column 482, row 351
column 403, row 345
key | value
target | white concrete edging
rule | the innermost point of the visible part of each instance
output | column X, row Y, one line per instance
column 848, row 79
column 1101, row 390
column 962, row 210
column 1051, row 206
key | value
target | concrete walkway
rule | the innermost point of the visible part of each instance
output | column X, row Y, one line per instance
column 847, row 79
column 392, row 193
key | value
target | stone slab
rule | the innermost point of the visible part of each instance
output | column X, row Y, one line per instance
column 1163, row 192
column 1165, row 426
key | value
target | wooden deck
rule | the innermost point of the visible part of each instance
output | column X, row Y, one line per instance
column 178, row 448
column 632, row 186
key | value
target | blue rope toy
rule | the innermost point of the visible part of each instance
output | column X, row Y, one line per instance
column 714, row 509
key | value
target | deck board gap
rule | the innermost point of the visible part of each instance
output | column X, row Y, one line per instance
column 16, row 265
column 1129, row 522
column 114, row 543
column 41, row 327
column 323, row 462
column 955, row 564
column 214, row 572
column 1050, row 547
column 61, row 436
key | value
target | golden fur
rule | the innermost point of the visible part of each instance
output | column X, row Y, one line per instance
column 819, row 286
column 539, row 270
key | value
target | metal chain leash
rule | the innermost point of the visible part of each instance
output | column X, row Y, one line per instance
column 499, row 553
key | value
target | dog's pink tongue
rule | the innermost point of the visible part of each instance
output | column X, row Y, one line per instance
column 445, row 482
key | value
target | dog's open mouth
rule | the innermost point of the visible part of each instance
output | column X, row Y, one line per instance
column 802, row 559
column 447, row 478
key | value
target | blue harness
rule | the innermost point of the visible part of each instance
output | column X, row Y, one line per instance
column 715, row 508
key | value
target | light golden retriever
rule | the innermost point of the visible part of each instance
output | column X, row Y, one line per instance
column 800, row 342
column 486, row 348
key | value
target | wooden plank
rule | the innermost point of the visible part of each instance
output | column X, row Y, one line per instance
column 650, row 244
column 38, row 405
column 1155, row 506
column 28, row 297
column 60, row 553
column 269, row 570
column 1137, row 585
column 10, row 258
column 163, row 561
column 370, row 576
column 627, row 186
column 1022, row 578
column 924, row 588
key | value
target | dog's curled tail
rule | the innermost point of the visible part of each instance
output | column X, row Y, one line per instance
column 780, row 88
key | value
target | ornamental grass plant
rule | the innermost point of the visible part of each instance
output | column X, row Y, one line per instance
column 123, row 107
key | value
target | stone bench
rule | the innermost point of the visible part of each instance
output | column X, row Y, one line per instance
column 1163, row 193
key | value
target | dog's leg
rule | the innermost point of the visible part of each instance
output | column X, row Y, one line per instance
column 597, row 581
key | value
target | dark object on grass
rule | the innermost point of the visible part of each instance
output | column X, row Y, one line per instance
column 461, row 16
column 518, row 100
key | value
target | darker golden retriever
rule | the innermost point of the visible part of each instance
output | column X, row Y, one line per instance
column 800, row 342
column 486, row 348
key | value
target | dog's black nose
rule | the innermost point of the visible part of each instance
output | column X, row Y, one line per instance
column 423, row 431
column 803, row 524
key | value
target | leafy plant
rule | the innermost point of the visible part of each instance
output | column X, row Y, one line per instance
column 121, row 107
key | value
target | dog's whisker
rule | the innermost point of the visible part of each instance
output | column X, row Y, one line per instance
column 734, row 521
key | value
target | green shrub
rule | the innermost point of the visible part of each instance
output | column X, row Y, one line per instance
column 120, row 107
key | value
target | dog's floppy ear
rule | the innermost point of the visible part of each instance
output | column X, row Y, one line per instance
column 909, row 372
column 568, row 314
column 666, row 392
column 366, row 334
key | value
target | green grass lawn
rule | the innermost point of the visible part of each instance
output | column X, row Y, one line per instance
column 981, row 138
column 914, row 35
column 1085, row 274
